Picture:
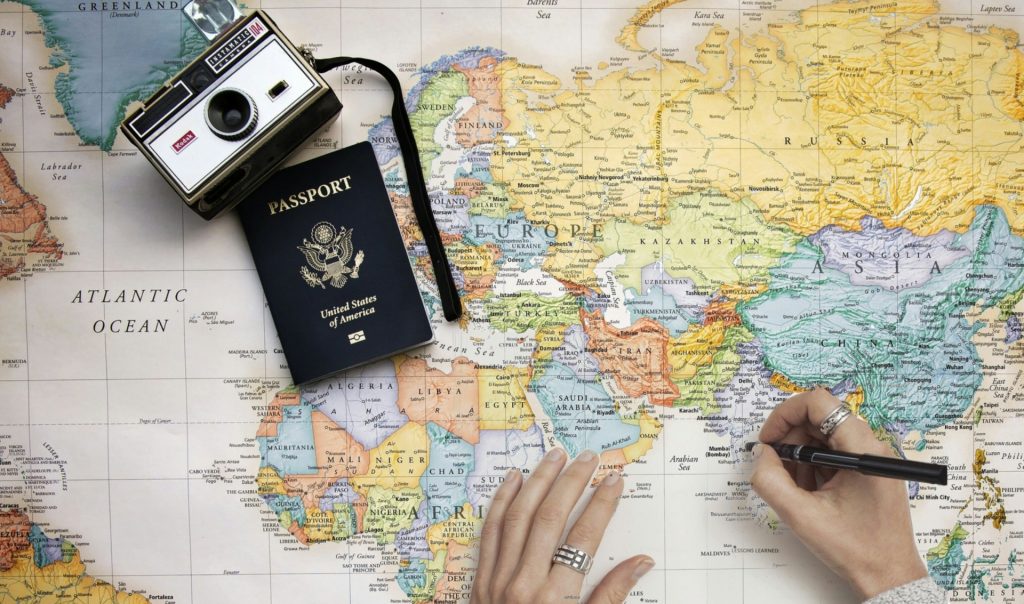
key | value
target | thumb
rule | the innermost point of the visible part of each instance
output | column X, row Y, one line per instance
column 773, row 483
column 615, row 586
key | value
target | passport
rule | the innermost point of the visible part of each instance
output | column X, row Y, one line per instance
column 333, row 265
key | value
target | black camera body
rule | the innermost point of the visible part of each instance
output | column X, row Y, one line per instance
column 219, row 128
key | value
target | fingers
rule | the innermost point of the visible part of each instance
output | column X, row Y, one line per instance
column 490, row 536
column 805, row 477
column 616, row 585
column 806, row 411
column 773, row 483
column 519, row 517
column 589, row 529
column 802, row 474
column 552, row 515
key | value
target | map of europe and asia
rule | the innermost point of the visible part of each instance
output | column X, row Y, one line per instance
column 664, row 219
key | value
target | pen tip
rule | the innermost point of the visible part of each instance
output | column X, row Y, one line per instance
column 750, row 446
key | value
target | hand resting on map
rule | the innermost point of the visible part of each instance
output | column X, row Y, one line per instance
column 524, row 527
column 858, row 525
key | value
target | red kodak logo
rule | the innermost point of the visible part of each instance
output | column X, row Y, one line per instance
column 185, row 140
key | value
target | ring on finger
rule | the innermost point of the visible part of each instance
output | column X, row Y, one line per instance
column 573, row 557
column 838, row 415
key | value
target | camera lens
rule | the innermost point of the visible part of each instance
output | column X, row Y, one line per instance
column 231, row 114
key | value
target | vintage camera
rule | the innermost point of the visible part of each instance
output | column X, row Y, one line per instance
column 219, row 128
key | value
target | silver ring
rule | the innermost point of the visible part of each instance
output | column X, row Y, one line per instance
column 573, row 557
column 833, row 419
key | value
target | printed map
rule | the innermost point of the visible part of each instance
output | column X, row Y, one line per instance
column 664, row 220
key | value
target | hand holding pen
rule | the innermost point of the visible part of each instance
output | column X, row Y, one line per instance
column 858, row 525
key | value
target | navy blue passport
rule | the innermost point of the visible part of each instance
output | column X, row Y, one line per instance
column 333, row 264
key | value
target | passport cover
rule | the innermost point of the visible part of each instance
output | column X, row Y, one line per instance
column 333, row 264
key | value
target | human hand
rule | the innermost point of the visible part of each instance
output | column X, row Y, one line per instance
column 524, row 528
column 857, row 525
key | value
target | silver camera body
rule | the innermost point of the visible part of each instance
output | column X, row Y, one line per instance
column 219, row 128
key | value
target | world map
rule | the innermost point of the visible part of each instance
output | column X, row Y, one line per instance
column 663, row 219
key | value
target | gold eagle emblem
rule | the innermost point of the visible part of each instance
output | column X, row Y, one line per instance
column 328, row 252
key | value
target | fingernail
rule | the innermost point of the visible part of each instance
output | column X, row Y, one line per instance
column 643, row 568
column 757, row 450
column 512, row 474
column 587, row 455
column 554, row 455
column 611, row 478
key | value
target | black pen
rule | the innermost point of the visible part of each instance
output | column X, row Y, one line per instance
column 889, row 467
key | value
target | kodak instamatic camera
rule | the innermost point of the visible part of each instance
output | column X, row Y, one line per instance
column 219, row 128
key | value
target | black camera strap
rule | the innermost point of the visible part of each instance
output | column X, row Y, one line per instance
column 446, row 288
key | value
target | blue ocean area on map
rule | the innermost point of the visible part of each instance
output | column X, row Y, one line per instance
column 818, row 327
column 111, row 60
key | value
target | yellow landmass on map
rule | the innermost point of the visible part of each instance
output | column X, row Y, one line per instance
column 840, row 111
column 989, row 489
column 913, row 117
column 628, row 37
column 433, row 573
column 650, row 428
column 711, row 240
column 60, row 581
column 503, row 404
column 462, row 527
column 390, row 511
column 399, row 461
column 695, row 349
column 319, row 526
column 476, row 265
column 269, row 482
column 549, row 339
column 855, row 399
